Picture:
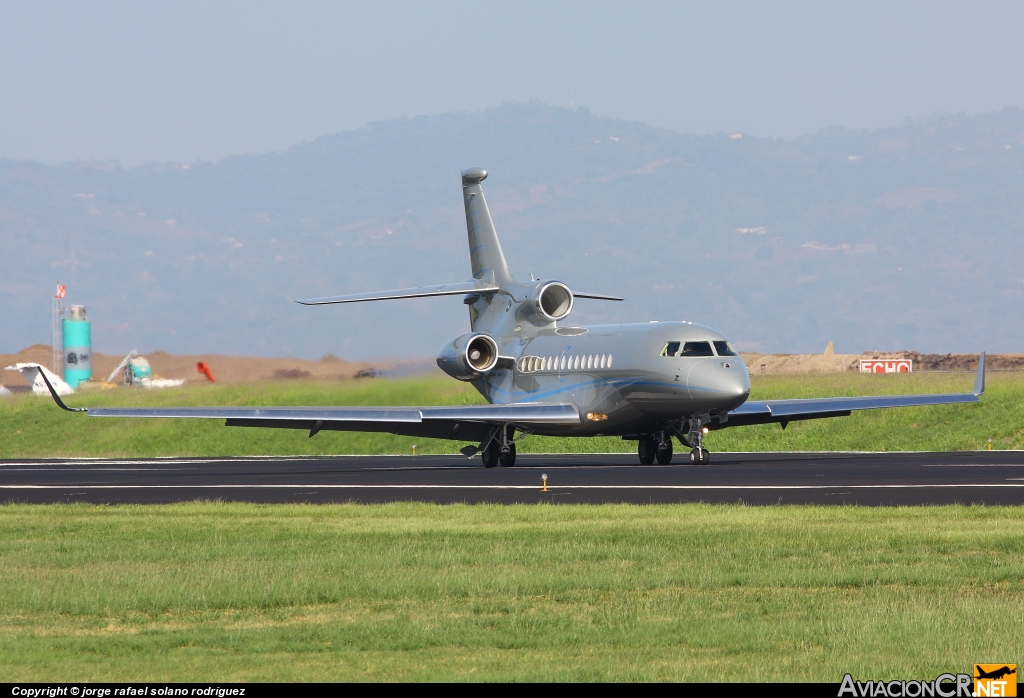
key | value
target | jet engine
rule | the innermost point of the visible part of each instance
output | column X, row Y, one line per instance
column 469, row 356
column 550, row 301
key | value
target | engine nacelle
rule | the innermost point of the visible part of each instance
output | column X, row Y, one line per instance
column 551, row 301
column 469, row 356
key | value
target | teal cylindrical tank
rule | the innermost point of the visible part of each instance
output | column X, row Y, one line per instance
column 77, row 347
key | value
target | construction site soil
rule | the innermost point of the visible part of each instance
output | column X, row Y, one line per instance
column 225, row 369
column 256, row 369
column 829, row 362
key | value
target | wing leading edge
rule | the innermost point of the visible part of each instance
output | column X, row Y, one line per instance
column 454, row 289
column 462, row 422
column 786, row 411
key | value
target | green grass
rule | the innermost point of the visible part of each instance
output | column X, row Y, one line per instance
column 238, row 592
column 32, row 426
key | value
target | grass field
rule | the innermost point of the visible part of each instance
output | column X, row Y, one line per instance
column 31, row 426
column 214, row 591
column 236, row 592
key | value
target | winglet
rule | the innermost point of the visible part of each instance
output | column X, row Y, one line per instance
column 56, row 397
column 979, row 381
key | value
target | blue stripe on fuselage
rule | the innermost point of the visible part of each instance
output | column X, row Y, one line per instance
column 616, row 383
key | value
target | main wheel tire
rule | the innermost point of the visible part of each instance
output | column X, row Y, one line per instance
column 508, row 458
column 646, row 449
column 665, row 454
column 490, row 455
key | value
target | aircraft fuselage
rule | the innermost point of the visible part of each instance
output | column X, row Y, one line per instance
column 625, row 379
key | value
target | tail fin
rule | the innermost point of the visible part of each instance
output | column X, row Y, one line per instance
column 484, row 249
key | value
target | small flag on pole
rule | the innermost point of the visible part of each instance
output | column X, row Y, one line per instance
column 61, row 290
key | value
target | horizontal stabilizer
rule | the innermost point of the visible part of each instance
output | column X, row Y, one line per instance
column 455, row 289
column 597, row 296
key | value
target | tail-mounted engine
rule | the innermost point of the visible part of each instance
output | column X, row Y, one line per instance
column 469, row 356
column 550, row 301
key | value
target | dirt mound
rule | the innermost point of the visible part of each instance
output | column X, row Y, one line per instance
column 768, row 364
column 952, row 362
column 226, row 369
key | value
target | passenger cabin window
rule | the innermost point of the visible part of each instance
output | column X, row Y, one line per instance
column 671, row 349
column 724, row 349
column 697, row 349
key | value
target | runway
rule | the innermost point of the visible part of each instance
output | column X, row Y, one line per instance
column 873, row 479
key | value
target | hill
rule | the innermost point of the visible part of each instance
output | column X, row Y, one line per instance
column 907, row 236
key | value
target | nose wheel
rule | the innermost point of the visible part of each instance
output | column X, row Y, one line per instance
column 700, row 456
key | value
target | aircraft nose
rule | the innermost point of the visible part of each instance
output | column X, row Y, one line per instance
column 723, row 380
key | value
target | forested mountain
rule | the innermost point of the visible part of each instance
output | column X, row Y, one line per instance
column 906, row 237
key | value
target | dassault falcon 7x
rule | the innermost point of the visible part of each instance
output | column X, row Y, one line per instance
column 650, row 382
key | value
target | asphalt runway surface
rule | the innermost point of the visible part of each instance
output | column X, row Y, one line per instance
column 873, row 479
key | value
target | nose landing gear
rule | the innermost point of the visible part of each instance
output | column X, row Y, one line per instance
column 698, row 454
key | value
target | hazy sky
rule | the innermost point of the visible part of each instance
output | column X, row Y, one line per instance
column 188, row 81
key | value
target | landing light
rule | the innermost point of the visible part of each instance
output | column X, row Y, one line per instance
column 705, row 430
column 596, row 416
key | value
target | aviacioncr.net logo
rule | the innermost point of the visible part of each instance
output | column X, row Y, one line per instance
column 943, row 686
column 995, row 680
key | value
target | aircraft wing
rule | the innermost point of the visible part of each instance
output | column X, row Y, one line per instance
column 461, row 422
column 786, row 411
column 454, row 289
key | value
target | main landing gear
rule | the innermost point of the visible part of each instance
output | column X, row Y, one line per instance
column 501, row 450
column 655, row 447
column 658, row 446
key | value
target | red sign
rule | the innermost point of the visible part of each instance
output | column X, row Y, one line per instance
column 61, row 290
column 886, row 365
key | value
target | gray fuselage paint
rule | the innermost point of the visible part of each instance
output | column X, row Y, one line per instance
column 638, row 391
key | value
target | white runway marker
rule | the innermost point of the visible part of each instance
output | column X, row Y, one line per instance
column 502, row 487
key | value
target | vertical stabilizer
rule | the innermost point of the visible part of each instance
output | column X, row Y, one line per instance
column 484, row 249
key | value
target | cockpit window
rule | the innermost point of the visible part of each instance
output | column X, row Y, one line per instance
column 724, row 349
column 671, row 349
column 697, row 349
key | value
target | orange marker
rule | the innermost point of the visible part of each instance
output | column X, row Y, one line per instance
column 204, row 368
